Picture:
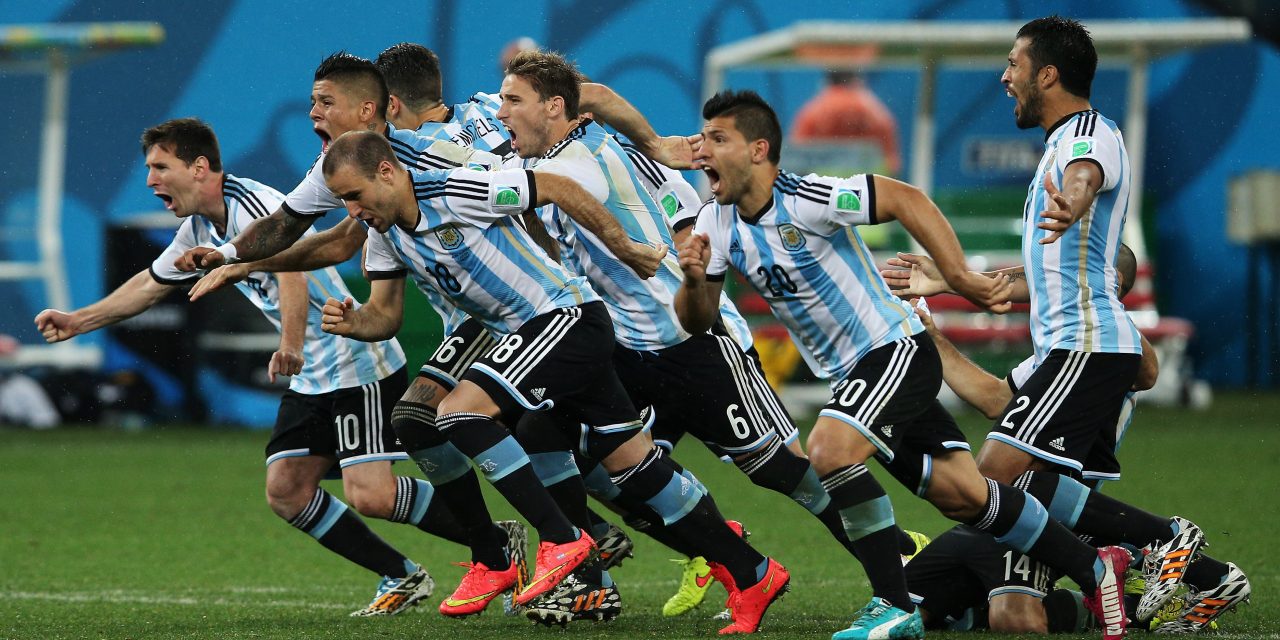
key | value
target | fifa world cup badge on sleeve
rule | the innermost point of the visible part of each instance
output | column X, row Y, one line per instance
column 505, row 196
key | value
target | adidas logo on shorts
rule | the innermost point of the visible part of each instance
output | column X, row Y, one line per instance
column 887, row 430
column 1057, row 443
column 537, row 393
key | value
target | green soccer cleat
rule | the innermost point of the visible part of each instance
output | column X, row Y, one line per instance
column 694, row 584
column 921, row 541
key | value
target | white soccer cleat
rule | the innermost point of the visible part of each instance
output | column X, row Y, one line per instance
column 394, row 595
column 1165, row 565
column 1204, row 607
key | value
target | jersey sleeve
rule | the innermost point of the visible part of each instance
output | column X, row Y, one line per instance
column 312, row 196
column 473, row 197
column 825, row 204
column 162, row 269
column 669, row 189
column 576, row 162
column 1021, row 373
column 1095, row 142
column 381, row 262
column 707, row 224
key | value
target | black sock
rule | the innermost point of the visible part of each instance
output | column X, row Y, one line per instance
column 497, row 454
column 332, row 524
column 1020, row 521
column 455, row 483
column 414, row 505
column 1065, row 611
column 867, row 518
column 687, row 513
column 1094, row 513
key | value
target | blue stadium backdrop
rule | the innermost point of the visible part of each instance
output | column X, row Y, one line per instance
column 246, row 66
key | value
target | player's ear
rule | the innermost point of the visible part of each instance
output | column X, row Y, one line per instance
column 385, row 171
column 200, row 166
column 759, row 151
column 1048, row 76
column 555, row 106
column 393, row 107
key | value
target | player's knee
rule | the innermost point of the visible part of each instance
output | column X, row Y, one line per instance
column 286, row 496
column 371, row 502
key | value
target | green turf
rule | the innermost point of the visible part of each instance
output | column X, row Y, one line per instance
column 164, row 533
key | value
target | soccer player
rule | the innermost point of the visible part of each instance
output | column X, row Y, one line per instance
column 341, row 391
column 794, row 239
column 698, row 382
column 680, row 202
column 1221, row 585
column 455, row 232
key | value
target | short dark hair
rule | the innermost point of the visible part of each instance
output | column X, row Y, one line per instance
column 363, row 150
column 355, row 74
column 752, row 116
column 412, row 74
column 186, row 138
column 1127, row 268
column 551, row 75
column 1065, row 44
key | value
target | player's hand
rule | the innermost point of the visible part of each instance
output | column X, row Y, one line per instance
column 926, row 316
column 287, row 361
column 644, row 258
column 1058, row 216
column 695, row 144
column 194, row 259
column 695, row 253
column 914, row 275
column 55, row 325
column 218, row 278
column 338, row 317
column 676, row 151
column 990, row 293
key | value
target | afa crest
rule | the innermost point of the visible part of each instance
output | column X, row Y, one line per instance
column 450, row 238
column 792, row 239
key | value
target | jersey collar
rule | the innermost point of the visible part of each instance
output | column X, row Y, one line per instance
column 1048, row 132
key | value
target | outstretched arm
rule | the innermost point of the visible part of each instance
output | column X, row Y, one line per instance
column 921, row 218
column 588, row 212
column 128, row 300
column 264, row 238
column 972, row 383
column 327, row 248
column 915, row 275
column 607, row 106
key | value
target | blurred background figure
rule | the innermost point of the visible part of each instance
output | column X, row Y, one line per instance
column 509, row 51
column 846, row 109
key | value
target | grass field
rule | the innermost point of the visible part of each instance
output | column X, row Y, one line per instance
column 164, row 533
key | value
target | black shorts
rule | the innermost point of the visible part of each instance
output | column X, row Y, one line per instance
column 891, row 398
column 353, row 424
column 559, row 361
column 459, row 350
column 708, row 387
column 1102, row 465
column 964, row 568
column 1069, row 405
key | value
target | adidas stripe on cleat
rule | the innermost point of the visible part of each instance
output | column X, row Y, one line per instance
column 575, row 599
column 394, row 595
column 1202, row 609
column 1165, row 565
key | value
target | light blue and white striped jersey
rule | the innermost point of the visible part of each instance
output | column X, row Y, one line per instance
column 469, row 248
column 1074, row 301
column 643, row 310
column 416, row 152
column 678, row 199
column 330, row 362
column 804, row 256
column 474, row 124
